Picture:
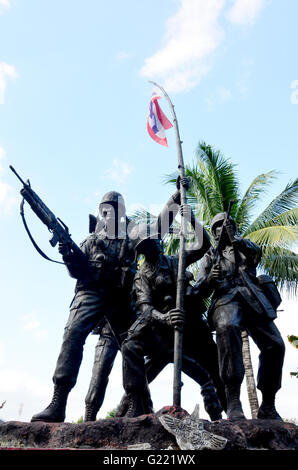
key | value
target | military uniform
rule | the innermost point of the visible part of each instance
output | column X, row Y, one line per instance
column 238, row 304
column 99, row 292
column 104, row 274
column 155, row 288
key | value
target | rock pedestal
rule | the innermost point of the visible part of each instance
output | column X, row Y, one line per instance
column 144, row 432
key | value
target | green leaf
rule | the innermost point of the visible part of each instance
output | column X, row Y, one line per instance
column 293, row 340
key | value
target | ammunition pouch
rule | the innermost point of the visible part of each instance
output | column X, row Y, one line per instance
column 96, row 271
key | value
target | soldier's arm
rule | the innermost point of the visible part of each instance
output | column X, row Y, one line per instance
column 170, row 210
column 77, row 265
column 144, row 299
column 249, row 249
column 203, row 284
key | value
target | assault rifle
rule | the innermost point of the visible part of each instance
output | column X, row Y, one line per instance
column 221, row 236
column 60, row 231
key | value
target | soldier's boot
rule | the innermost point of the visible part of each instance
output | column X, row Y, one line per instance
column 135, row 405
column 211, row 401
column 90, row 412
column 122, row 407
column 267, row 409
column 147, row 402
column 234, row 407
column 55, row 412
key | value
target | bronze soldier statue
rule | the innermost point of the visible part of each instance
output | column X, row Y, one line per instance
column 103, row 289
column 239, row 303
column 152, row 333
column 107, row 347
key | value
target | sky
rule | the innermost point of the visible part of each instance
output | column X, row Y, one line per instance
column 74, row 97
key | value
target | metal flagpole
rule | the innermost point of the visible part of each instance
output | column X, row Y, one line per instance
column 178, row 333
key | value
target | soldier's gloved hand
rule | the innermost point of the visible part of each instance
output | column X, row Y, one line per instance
column 176, row 317
column 64, row 248
column 184, row 181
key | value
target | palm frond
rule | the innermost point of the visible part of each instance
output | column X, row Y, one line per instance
column 255, row 190
column 285, row 201
column 218, row 178
column 282, row 265
column 275, row 235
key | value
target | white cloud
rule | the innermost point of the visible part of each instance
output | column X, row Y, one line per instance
column 192, row 34
column 4, row 6
column 7, row 71
column 244, row 12
column 119, row 172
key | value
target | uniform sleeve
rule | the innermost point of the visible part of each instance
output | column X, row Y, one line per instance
column 142, row 291
column 251, row 251
column 77, row 265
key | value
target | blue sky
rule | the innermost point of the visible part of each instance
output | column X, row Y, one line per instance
column 74, row 98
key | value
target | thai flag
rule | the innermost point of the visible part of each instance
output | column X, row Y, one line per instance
column 157, row 122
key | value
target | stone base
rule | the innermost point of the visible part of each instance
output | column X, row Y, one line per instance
column 145, row 432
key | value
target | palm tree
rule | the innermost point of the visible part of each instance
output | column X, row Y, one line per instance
column 213, row 183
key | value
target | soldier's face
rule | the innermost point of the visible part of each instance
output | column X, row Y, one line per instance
column 108, row 212
column 217, row 231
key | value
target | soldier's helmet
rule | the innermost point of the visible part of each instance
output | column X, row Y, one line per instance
column 114, row 198
column 218, row 219
column 144, row 234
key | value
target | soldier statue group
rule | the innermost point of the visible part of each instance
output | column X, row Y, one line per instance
column 133, row 309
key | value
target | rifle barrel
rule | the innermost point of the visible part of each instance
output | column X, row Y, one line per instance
column 17, row 175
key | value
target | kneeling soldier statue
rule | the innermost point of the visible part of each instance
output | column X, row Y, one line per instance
column 152, row 334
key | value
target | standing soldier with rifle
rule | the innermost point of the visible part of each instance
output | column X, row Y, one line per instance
column 104, row 267
column 242, row 301
column 104, row 276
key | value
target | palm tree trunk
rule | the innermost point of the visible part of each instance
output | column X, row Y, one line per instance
column 250, row 381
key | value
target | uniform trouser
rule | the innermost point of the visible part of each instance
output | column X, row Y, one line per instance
column 145, row 342
column 105, row 353
column 86, row 310
column 229, row 321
